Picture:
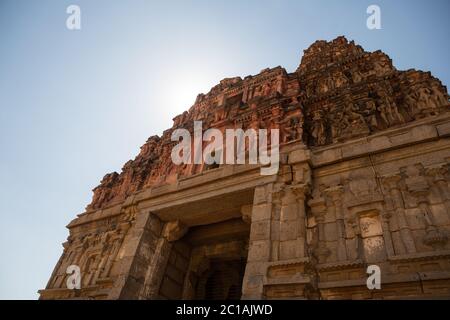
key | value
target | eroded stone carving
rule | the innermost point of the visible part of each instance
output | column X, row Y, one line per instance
column 354, row 188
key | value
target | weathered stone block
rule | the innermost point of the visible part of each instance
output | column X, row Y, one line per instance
column 289, row 230
column 261, row 212
column 260, row 230
column 259, row 250
column 261, row 195
column 288, row 249
column 330, row 231
column 360, row 141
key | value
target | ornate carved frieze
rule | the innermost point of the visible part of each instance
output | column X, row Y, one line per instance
column 364, row 179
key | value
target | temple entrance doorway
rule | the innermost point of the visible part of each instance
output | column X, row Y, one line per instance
column 222, row 281
column 208, row 261
column 217, row 260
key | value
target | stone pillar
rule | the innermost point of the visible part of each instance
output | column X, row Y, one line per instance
column 289, row 226
column 301, row 191
column 275, row 225
column 355, row 231
column 172, row 231
column 135, row 256
column 280, row 84
column 245, row 94
column 156, row 270
column 112, row 256
column 438, row 174
column 259, row 251
column 391, row 182
column 386, row 217
column 392, row 222
column 192, row 273
column 318, row 209
column 335, row 194
column 434, row 237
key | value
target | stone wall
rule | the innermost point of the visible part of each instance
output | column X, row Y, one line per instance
column 381, row 201
column 364, row 179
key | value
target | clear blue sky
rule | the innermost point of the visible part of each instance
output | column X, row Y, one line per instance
column 75, row 105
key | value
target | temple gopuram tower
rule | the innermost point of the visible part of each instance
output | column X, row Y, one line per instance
column 363, row 180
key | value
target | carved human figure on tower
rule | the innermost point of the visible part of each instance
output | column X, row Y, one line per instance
column 267, row 89
column 339, row 123
column 438, row 95
column 388, row 108
column 357, row 76
column 371, row 114
column 425, row 104
column 410, row 100
column 351, row 111
column 318, row 129
column 292, row 129
column 339, row 79
column 381, row 66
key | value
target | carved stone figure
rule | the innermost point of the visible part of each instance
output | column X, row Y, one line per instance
column 371, row 114
column 356, row 122
column 438, row 95
column 381, row 67
column 292, row 129
column 318, row 129
column 388, row 109
column 267, row 89
column 357, row 77
column 425, row 103
column 410, row 99
column 357, row 191
column 339, row 79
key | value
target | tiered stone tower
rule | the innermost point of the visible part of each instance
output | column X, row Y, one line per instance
column 364, row 179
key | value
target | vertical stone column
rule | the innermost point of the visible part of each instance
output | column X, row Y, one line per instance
column 434, row 237
column 335, row 194
column 301, row 191
column 245, row 94
column 391, row 182
column 392, row 224
column 439, row 179
column 156, row 270
column 318, row 209
column 275, row 225
column 198, row 263
column 259, row 251
column 155, row 273
column 111, row 257
column 289, row 225
column 280, row 84
column 355, row 231
column 386, row 217
column 135, row 255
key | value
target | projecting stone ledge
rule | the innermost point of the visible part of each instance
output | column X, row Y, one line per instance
column 363, row 179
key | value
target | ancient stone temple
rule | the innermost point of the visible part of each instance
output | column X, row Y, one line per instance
column 363, row 180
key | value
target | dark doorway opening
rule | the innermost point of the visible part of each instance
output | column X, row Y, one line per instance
column 222, row 281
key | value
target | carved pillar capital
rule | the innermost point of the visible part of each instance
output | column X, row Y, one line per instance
column 301, row 190
column 334, row 193
column 246, row 212
column 437, row 172
column 391, row 181
column 318, row 208
column 174, row 230
column 418, row 187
